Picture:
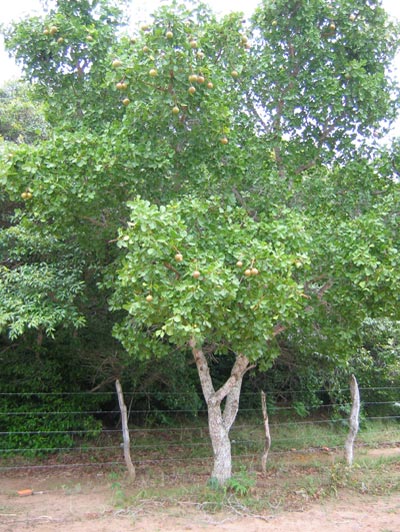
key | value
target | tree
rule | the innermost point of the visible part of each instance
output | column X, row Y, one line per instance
column 257, row 154
column 201, row 274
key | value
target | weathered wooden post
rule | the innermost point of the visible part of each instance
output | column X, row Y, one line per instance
column 353, row 420
column 267, row 444
column 125, row 432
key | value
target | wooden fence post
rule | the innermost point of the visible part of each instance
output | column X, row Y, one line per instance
column 125, row 432
column 267, row 444
column 353, row 420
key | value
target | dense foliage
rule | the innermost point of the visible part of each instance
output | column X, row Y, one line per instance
column 215, row 183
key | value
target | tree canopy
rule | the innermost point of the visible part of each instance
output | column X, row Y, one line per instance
column 218, row 180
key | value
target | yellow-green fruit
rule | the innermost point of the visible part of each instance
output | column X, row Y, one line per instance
column 53, row 30
column 247, row 273
column 239, row 264
column 210, row 85
column 145, row 27
column 169, row 35
column 179, row 257
column 89, row 38
column 60, row 40
column 200, row 55
column 46, row 32
column 24, row 195
column 191, row 90
column 193, row 44
column 234, row 73
column 223, row 140
column 332, row 26
column 121, row 85
column 201, row 79
column 126, row 101
column 192, row 78
column 352, row 17
column 153, row 72
column 149, row 298
column 254, row 271
column 116, row 63
column 175, row 110
column 146, row 49
column 196, row 274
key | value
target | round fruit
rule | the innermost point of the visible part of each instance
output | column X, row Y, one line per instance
column 146, row 49
column 244, row 39
column 196, row 274
column 153, row 72
column 200, row 55
column 352, row 17
column 145, row 27
column 179, row 257
column 28, row 195
column 116, row 63
column 332, row 26
column 254, row 271
column 121, row 86
column 175, row 110
column 239, row 264
column 46, row 32
column 201, row 79
column 126, row 101
column 89, row 38
column 223, row 140
column 169, row 35
column 191, row 90
column 247, row 273
column 193, row 44
column 193, row 78
column 53, row 30
column 149, row 298
column 234, row 73
column 274, row 22
column 24, row 195
column 210, row 85
column 60, row 40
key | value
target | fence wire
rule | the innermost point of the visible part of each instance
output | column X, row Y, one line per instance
column 185, row 438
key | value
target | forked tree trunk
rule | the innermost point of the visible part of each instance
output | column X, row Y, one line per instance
column 220, row 422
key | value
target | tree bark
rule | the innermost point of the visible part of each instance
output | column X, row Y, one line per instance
column 354, row 420
column 220, row 422
column 267, row 434
column 125, row 432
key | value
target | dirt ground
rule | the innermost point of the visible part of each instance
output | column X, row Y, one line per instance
column 69, row 501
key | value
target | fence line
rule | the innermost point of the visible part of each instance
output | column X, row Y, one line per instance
column 185, row 394
column 194, row 428
column 293, row 434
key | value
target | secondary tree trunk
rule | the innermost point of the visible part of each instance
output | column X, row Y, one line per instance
column 353, row 421
column 267, row 434
column 125, row 431
column 220, row 422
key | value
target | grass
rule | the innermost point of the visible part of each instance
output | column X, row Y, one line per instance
column 288, row 485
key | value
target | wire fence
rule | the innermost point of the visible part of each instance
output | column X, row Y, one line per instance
column 36, row 436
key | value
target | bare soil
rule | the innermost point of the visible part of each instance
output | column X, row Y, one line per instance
column 86, row 501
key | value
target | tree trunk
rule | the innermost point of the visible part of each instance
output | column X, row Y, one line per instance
column 220, row 422
column 353, row 421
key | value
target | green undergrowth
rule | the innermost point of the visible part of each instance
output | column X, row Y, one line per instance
column 286, row 486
